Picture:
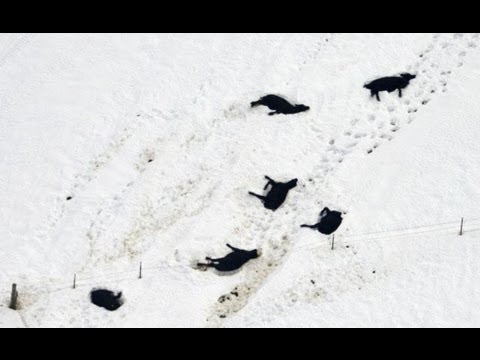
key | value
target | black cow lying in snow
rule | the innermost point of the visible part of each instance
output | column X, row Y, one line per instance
column 389, row 84
column 329, row 222
column 233, row 261
column 106, row 299
column 277, row 194
column 279, row 105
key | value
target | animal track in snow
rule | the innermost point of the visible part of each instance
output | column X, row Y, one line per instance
column 321, row 43
column 147, row 157
column 317, row 284
column 257, row 271
column 360, row 135
column 432, row 75
column 62, row 203
column 339, row 148
column 14, row 44
column 111, row 153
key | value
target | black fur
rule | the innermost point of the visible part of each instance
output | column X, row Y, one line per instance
column 106, row 299
column 389, row 84
column 277, row 194
column 233, row 261
column 279, row 105
column 330, row 221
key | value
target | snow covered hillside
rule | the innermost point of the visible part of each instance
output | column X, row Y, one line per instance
column 152, row 140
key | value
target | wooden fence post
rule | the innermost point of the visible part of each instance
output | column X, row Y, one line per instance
column 13, row 300
column 461, row 227
column 74, row 281
column 333, row 241
column 140, row 274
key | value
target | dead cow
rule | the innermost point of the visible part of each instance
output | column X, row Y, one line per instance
column 389, row 84
column 233, row 261
column 329, row 222
column 277, row 194
column 106, row 299
column 279, row 105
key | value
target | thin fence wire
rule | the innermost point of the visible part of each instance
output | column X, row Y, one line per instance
column 91, row 276
column 450, row 228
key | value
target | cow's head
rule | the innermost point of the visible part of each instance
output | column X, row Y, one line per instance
column 292, row 183
column 302, row 107
column 408, row 76
column 255, row 253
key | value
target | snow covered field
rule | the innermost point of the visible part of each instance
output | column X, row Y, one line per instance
column 152, row 137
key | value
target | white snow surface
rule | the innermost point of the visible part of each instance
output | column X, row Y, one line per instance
column 153, row 137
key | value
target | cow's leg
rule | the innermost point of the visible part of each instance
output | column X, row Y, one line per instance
column 258, row 196
column 400, row 92
column 272, row 113
column 200, row 265
column 270, row 182
column 378, row 96
column 309, row 226
column 234, row 248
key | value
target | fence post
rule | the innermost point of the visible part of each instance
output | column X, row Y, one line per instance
column 13, row 300
column 461, row 227
column 74, row 281
column 140, row 274
column 333, row 241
